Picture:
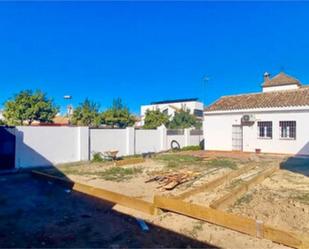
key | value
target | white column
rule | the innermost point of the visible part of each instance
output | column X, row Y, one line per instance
column 187, row 136
column 163, row 137
column 83, row 143
column 130, row 141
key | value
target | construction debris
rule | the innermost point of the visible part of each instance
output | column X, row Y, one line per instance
column 172, row 180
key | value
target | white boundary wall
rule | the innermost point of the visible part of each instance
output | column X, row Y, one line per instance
column 45, row 146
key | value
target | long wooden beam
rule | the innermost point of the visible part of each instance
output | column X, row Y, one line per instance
column 235, row 222
column 107, row 195
column 238, row 192
column 217, row 182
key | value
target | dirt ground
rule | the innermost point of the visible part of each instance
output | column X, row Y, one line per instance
column 37, row 214
column 130, row 179
column 281, row 200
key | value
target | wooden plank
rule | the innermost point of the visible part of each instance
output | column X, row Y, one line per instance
column 106, row 195
column 215, row 183
column 241, row 224
column 232, row 221
column 236, row 193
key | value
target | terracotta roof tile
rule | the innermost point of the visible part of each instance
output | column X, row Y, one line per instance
column 280, row 80
column 288, row 98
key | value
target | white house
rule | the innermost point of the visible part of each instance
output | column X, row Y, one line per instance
column 170, row 107
column 273, row 121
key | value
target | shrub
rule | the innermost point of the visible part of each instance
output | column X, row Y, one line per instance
column 97, row 157
column 191, row 147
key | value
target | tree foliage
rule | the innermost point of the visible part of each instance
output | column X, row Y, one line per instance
column 87, row 114
column 183, row 119
column 118, row 115
column 27, row 107
column 155, row 118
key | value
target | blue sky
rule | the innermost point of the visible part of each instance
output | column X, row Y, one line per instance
column 149, row 51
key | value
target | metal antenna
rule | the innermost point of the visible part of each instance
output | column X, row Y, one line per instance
column 205, row 82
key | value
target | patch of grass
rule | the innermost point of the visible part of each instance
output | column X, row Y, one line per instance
column 304, row 198
column 118, row 173
column 97, row 157
column 222, row 163
column 190, row 148
column 174, row 161
column 244, row 200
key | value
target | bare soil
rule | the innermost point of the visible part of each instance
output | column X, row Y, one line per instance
column 37, row 214
column 282, row 200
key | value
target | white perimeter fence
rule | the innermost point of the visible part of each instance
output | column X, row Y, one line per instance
column 45, row 146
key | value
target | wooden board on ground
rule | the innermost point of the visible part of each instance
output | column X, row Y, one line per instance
column 215, row 183
column 128, row 161
column 110, row 196
column 238, row 192
column 231, row 221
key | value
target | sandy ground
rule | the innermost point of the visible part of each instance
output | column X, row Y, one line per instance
column 282, row 200
column 36, row 214
column 136, row 186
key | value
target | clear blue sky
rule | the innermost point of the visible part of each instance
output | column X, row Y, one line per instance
column 144, row 52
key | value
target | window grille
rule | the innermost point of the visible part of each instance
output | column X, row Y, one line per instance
column 265, row 129
column 287, row 129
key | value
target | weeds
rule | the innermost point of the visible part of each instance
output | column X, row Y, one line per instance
column 175, row 161
column 190, row 148
column 97, row 157
column 244, row 200
column 304, row 198
column 118, row 174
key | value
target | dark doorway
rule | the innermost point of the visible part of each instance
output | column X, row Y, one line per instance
column 7, row 148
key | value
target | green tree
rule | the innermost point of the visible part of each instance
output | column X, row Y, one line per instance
column 183, row 119
column 154, row 119
column 87, row 114
column 28, row 106
column 118, row 115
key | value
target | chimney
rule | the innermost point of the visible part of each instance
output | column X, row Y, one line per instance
column 266, row 76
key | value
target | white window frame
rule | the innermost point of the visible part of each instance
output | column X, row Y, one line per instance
column 266, row 124
column 286, row 129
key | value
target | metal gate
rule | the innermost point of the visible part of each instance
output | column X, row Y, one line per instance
column 237, row 139
column 7, row 148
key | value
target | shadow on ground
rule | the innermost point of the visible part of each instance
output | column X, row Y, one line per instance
column 40, row 214
column 297, row 164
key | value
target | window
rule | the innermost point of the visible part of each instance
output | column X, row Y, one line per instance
column 198, row 113
column 265, row 129
column 287, row 129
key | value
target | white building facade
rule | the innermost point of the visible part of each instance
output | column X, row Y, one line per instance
column 170, row 107
column 274, row 121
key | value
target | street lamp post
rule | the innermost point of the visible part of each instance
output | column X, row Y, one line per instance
column 69, row 107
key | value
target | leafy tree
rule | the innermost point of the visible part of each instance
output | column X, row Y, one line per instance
column 118, row 115
column 28, row 106
column 155, row 118
column 87, row 114
column 2, row 122
column 183, row 119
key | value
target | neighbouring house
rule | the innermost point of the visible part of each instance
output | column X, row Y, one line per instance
column 1, row 115
column 57, row 121
column 170, row 107
column 273, row 121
